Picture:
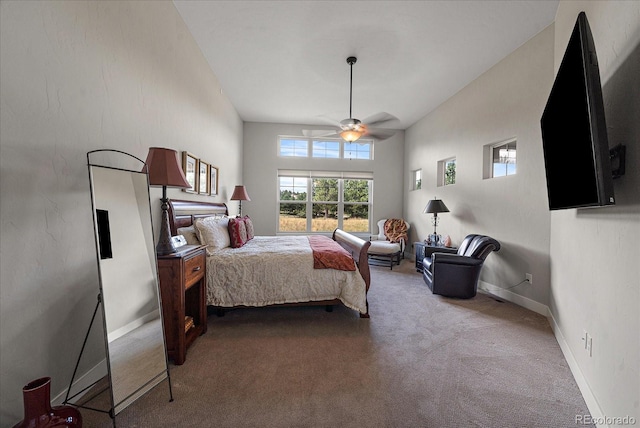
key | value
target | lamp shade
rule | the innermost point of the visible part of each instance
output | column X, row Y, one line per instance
column 240, row 194
column 435, row 206
column 164, row 168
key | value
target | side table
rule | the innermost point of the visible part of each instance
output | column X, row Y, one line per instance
column 183, row 283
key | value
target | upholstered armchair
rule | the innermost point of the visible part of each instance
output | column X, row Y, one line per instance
column 390, row 242
column 456, row 275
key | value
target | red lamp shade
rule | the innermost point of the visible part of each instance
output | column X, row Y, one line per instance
column 240, row 194
column 164, row 168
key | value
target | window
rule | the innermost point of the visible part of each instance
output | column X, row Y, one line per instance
column 447, row 172
column 499, row 159
column 417, row 179
column 360, row 149
column 503, row 158
column 336, row 200
column 326, row 149
column 332, row 148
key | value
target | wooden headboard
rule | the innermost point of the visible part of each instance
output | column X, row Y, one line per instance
column 182, row 213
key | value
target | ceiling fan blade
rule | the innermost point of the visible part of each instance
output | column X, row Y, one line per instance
column 378, row 133
column 382, row 119
column 315, row 133
column 329, row 120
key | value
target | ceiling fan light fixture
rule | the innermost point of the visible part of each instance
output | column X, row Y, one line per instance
column 351, row 135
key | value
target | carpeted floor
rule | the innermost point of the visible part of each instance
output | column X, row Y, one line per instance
column 420, row 361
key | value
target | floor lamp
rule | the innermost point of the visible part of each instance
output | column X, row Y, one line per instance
column 164, row 170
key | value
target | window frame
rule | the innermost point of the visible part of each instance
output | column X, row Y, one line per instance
column 488, row 164
column 442, row 171
column 342, row 151
column 340, row 203
column 416, row 179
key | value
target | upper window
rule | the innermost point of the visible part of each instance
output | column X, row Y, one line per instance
column 447, row 172
column 503, row 159
column 499, row 159
column 332, row 148
column 417, row 179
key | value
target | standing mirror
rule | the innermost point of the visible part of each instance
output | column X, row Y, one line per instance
column 129, row 292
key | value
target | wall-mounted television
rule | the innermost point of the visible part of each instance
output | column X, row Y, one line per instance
column 574, row 131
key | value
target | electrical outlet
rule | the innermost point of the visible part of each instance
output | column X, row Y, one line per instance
column 529, row 278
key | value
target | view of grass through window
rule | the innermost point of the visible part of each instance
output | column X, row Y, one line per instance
column 334, row 202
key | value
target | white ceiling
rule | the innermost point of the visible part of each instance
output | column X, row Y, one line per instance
column 285, row 61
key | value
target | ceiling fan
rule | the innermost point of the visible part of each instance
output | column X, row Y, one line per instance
column 352, row 129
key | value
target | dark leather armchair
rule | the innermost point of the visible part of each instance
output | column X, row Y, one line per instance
column 456, row 275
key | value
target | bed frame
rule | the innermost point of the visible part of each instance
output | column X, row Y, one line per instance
column 183, row 214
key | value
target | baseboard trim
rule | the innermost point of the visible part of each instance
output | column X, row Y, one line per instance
column 89, row 378
column 592, row 403
column 512, row 297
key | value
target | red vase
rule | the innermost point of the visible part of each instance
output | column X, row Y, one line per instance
column 38, row 412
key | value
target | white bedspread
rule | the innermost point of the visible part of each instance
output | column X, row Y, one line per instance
column 278, row 269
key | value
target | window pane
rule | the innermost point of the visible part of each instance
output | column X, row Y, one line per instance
column 356, row 218
column 325, row 189
column 293, row 188
column 357, row 150
column 450, row 172
column 417, row 179
column 504, row 160
column 325, row 217
column 326, row 149
column 356, row 191
column 293, row 217
column 294, row 147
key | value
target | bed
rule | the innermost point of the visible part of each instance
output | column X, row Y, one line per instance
column 275, row 270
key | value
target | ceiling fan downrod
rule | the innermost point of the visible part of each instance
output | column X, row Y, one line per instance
column 351, row 60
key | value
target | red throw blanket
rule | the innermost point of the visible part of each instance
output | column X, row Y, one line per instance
column 395, row 229
column 328, row 254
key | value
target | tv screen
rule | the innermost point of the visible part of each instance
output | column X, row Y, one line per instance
column 574, row 132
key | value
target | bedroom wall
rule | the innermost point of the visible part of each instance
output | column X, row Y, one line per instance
column 75, row 77
column 504, row 102
column 595, row 253
column 261, row 163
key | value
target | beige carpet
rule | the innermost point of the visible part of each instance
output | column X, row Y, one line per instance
column 420, row 361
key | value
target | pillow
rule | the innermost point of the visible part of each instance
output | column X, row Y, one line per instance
column 237, row 232
column 249, row 226
column 213, row 232
column 189, row 234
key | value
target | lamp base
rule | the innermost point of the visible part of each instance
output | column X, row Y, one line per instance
column 165, row 246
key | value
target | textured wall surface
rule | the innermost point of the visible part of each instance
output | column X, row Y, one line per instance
column 75, row 77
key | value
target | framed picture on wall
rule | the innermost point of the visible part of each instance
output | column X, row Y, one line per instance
column 204, row 179
column 214, row 180
column 190, row 169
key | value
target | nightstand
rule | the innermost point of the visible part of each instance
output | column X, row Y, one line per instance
column 183, row 287
column 423, row 250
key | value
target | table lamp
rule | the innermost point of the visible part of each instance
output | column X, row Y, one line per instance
column 164, row 170
column 434, row 207
column 240, row 194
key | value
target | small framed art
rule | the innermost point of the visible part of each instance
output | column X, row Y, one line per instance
column 203, row 178
column 213, row 174
column 190, row 169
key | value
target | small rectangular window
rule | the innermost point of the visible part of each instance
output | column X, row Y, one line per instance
column 293, row 147
column 326, row 149
column 417, row 179
column 446, row 172
column 360, row 149
column 503, row 159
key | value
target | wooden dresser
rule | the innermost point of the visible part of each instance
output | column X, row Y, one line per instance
column 183, row 287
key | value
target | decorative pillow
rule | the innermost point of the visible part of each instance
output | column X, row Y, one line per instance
column 237, row 232
column 249, row 226
column 213, row 232
column 189, row 234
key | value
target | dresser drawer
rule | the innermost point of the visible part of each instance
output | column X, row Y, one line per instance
column 194, row 269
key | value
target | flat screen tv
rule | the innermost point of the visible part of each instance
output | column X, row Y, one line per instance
column 574, row 132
